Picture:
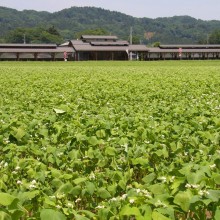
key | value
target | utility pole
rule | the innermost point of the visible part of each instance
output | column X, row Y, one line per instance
column 24, row 39
column 131, row 33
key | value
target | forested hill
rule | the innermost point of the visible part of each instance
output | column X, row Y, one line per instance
column 73, row 21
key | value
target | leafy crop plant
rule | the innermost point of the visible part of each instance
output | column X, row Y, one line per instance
column 110, row 140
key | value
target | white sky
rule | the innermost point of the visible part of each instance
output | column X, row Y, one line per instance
column 202, row 9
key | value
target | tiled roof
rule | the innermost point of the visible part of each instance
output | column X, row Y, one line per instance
column 107, row 37
column 88, row 47
column 36, row 50
column 167, row 50
column 28, row 45
column 109, row 43
column 191, row 46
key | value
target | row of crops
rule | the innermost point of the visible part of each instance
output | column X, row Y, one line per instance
column 110, row 140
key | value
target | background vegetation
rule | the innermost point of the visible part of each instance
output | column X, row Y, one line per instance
column 73, row 21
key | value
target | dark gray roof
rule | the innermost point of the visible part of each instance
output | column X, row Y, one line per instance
column 36, row 50
column 109, row 43
column 88, row 47
column 190, row 46
column 167, row 50
column 28, row 45
column 73, row 42
column 100, row 37
column 138, row 48
column 63, row 49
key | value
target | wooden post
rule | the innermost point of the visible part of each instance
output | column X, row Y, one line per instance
column 149, row 56
column 53, row 55
column 35, row 56
column 18, row 56
column 76, row 56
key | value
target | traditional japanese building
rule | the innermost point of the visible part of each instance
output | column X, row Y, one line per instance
column 93, row 47
column 32, row 52
column 90, row 47
column 187, row 52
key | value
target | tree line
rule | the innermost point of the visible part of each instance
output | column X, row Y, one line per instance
column 68, row 24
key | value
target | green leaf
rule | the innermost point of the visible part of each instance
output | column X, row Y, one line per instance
column 89, row 214
column 163, row 152
column 103, row 193
column 110, row 151
column 217, row 179
column 49, row 202
column 159, row 216
column 157, row 189
column 3, row 186
column 66, row 176
column 18, row 133
column 214, row 195
column 55, row 173
column 17, row 214
column 80, row 137
column 176, row 184
column 76, row 191
column 195, row 199
column 80, row 217
column 186, row 170
column 56, row 183
column 46, row 214
column 195, row 178
column 79, row 180
column 131, row 211
column 4, row 216
column 65, row 188
column 183, row 200
column 140, row 160
column 90, row 188
column 100, row 133
column 104, row 213
column 122, row 184
column 148, row 212
column 93, row 140
column 25, row 196
column 217, row 214
column 59, row 111
column 44, row 132
column 149, row 178
column 6, row 199
column 167, row 211
column 112, row 189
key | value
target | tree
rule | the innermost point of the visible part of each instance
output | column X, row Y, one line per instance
column 214, row 38
column 135, row 39
column 156, row 44
column 98, row 31
column 34, row 35
column 73, row 22
column 17, row 36
column 52, row 30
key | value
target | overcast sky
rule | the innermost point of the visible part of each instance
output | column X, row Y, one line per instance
column 203, row 9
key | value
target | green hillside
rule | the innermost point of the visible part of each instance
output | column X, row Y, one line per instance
column 70, row 22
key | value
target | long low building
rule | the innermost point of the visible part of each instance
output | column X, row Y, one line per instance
column 33, row 52
column 188, row 52
column 91, row 47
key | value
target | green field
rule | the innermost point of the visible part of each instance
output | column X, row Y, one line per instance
column 110, row 140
